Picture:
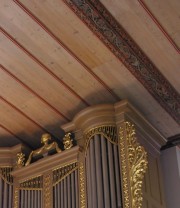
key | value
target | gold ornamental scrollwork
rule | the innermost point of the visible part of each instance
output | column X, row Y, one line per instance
column 82, row 185
column 133, row 166
column 35, row 183
column 62, row 172
column 16, row 198
column 20, row 160
column 47, row 191
column 108, row 131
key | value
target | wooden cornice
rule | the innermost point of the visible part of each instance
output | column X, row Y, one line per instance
column 46, row 164
column 115, row 114
column 172, row 141
column 8, row 154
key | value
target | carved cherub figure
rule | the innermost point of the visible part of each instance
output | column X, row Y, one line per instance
column 67, row 141
column 44, row 149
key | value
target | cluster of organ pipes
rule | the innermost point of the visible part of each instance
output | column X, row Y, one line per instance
column 102, row 181
column 6, row 194
column 89, row 181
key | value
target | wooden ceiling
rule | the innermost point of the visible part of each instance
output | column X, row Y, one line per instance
column 58, row 57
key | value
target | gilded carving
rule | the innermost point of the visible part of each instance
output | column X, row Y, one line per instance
column 44, row 149
column 82, row 185
column 108, row 131
column 35, row 183
column 16, row 198
column 60, row 173
column 47, row 191
column 67, row 141
column 133, row 166
column 20, row 160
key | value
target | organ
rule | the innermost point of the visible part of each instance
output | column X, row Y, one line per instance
column 103, row 168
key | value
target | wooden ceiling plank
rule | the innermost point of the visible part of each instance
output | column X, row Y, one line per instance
column 85, row 86
column 26, row 116
column 22, row 125
column 33, row 92
column 133, row 18
column 66, row 48
column 25, row 73
column 99, row 20
column 15, row 130
column 101, row 61
column 165, row 14
column 142, row 3
column 28, row 102
column 6, row 138
column 41, row 82
column 43, row 66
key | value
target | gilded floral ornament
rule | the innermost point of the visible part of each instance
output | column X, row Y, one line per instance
column 134, row 157
column 20, row 160
column 68, row 141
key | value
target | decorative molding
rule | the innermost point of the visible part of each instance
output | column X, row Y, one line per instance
column 172, row 141
column 47, row 190
column 62, row 172
column 133, row 166
column 108, row 131
column 35, row 183
column 16, row 197
column 109, row 31
column 47, row 164
column 82, row 185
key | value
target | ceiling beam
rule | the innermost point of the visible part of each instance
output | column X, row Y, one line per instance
column 110, row 32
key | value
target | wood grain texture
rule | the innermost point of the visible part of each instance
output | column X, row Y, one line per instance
column 53, row 66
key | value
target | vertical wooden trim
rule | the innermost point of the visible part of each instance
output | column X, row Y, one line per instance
column 124, row 168
column 47, row 190
column 16, row 194
column 82, row 181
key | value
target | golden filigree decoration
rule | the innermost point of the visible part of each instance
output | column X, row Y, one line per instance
column 68, row 141
column 16, row 198
column 108, row 131
column 133, row 166
column 5, row 174
column 47, row 191
column 44, row 149
column 82, row 185
column 35, row 183
column 20, row 160
column 60, row 173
